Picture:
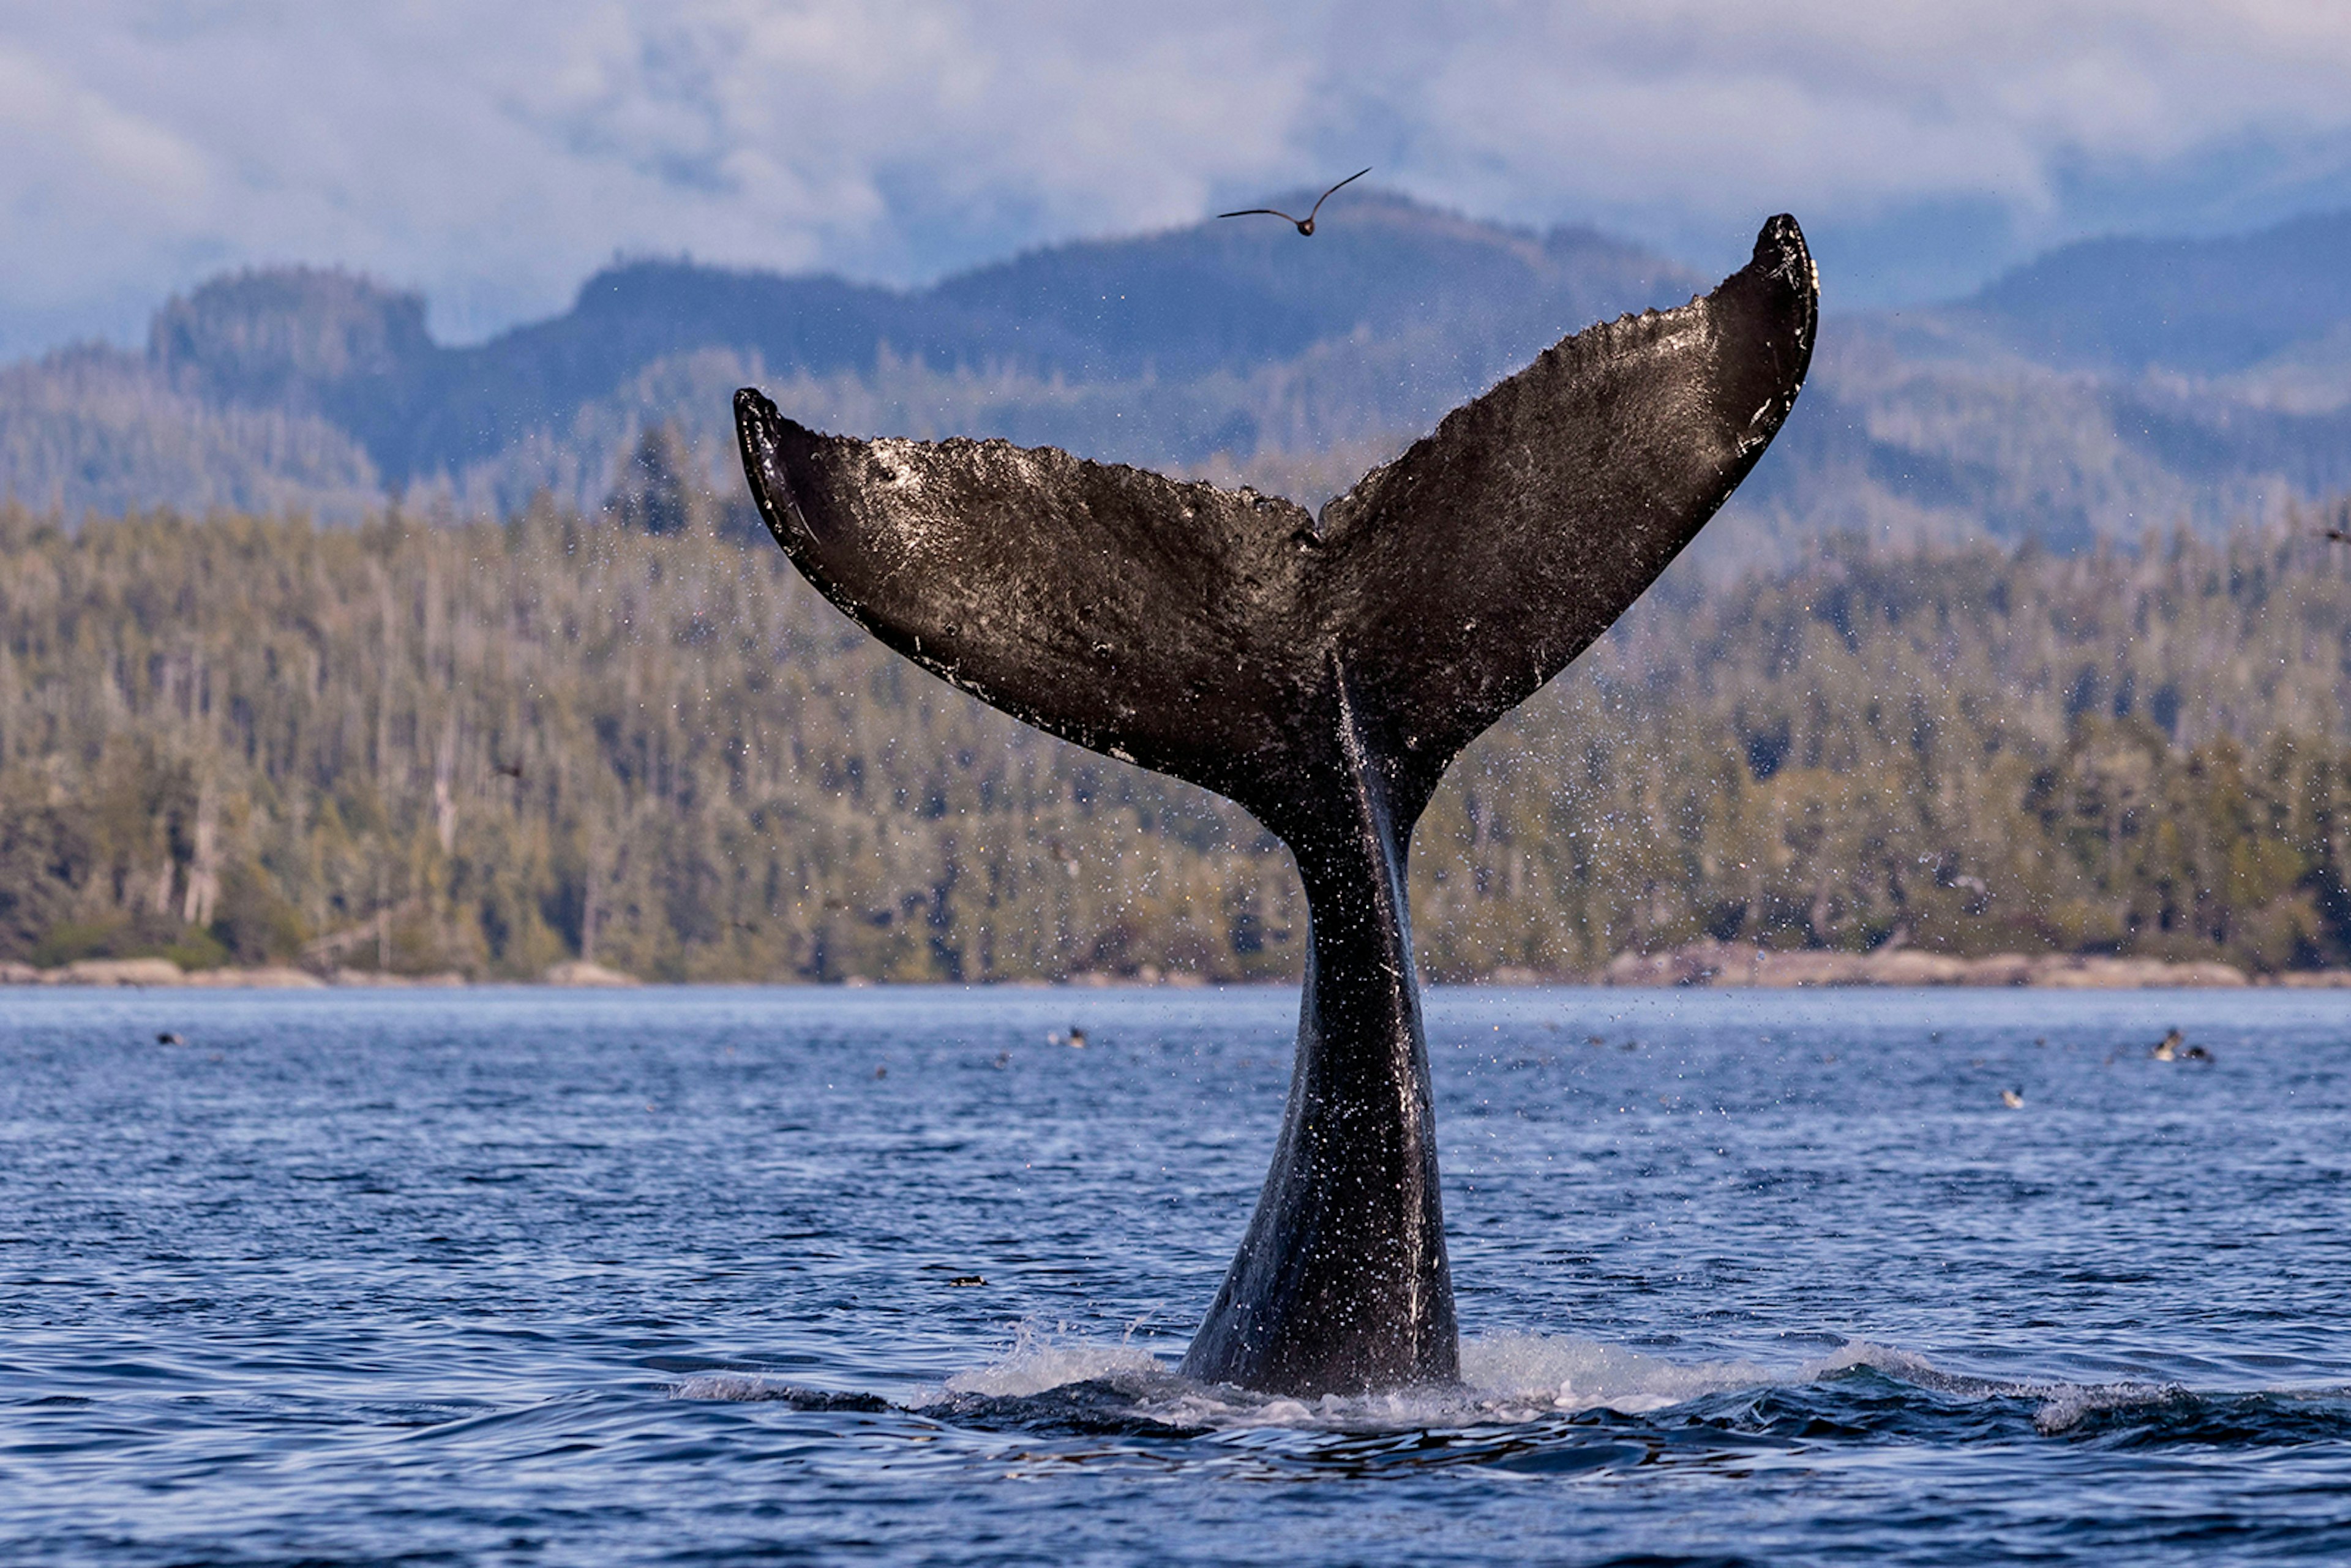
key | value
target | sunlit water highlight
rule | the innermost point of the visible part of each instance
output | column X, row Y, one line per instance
column 749, row 1276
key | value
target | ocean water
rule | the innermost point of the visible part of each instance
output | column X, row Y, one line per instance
column 889, row 1276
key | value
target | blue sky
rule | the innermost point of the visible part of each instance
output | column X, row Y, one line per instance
column 494, row 153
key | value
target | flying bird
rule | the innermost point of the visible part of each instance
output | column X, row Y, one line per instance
column 1306, row 224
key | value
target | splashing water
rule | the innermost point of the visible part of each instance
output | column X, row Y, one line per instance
column 1508, row 1379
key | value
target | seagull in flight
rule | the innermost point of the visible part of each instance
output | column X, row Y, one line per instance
column 1306, row 224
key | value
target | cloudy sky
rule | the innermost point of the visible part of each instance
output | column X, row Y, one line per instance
column 494, row 153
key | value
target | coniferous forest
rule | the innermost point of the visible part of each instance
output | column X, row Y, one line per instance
column 420, row 746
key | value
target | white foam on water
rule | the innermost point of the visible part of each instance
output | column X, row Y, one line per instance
column 1507, row 1379
column 733, row 1386
column 1043, row 1359
column 1554, row 1373
column 2066, row 1406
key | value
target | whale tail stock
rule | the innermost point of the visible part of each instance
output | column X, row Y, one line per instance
column 1322, row 672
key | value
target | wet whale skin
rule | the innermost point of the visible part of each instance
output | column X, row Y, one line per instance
column 1322, row 671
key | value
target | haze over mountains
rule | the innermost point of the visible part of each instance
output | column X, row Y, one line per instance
column 2105, row 388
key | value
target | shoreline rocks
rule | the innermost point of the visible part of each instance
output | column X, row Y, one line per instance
column 163, row 972
column 1727, row 965
column 267, row 977
column 1714, row 964
column 581, row 972
column 376, row 979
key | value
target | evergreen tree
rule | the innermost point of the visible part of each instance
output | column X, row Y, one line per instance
column 487, row 748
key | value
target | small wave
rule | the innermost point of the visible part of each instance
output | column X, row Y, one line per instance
column 1043, row 1359
column 735, row 1388
column 2065, row 1407
column 1507, row 1379
column 1058, row 1378
column 1553, row 1373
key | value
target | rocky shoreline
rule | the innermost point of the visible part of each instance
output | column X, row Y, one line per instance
column 159, row 972
column 1718, row 965
column 1727, row 965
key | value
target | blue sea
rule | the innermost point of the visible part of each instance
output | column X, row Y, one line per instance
column 756, row 1276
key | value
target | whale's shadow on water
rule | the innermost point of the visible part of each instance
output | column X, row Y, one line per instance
column 1322, row 671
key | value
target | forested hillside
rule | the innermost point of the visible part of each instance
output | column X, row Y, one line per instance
column 430, row 747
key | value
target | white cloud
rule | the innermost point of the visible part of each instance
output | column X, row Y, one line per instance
column 1845, row 105
column 494, row 154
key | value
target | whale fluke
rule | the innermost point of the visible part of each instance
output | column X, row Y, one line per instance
column 1322, row 671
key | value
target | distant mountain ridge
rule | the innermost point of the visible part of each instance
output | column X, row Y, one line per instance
column 2208, row 306
column 2105, row 388
column 2102, row 388
column 1141, row 348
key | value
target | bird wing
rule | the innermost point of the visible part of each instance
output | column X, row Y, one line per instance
column 1253, row 212
column 1329, row 194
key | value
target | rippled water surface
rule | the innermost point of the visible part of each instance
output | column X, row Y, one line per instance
column 684, row 1277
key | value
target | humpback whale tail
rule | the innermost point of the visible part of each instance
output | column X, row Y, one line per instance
column 1322, row 671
